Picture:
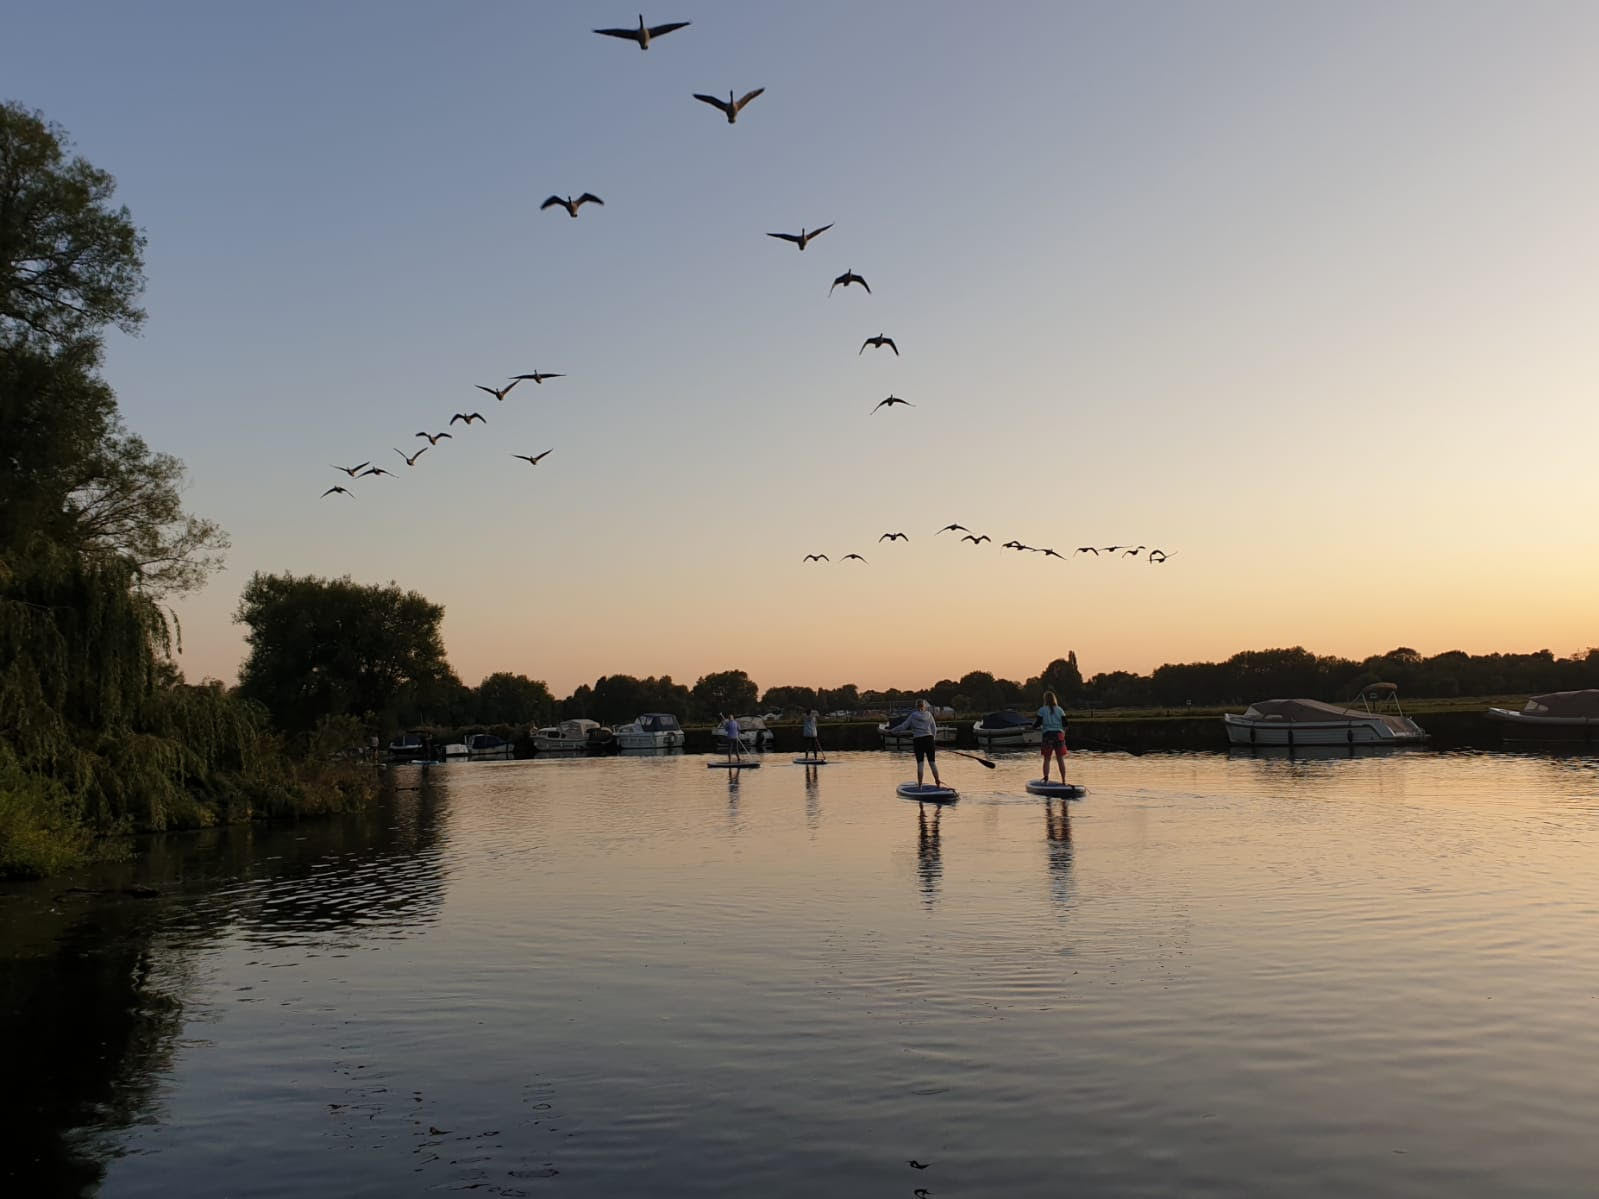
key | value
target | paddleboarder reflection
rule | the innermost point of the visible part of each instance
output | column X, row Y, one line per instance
column 929, row 857
column 1058, row 838
column 813, row 798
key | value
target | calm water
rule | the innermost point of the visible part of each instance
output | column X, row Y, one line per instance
column 1213, row 975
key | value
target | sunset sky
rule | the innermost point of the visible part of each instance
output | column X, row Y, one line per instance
column 1304, row 295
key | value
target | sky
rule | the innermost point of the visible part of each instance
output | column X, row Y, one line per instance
column 1302, row 294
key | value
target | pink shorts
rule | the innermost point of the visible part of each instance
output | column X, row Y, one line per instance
column 1054, row 743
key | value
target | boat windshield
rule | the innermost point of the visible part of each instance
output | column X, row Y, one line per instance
column 658, row 722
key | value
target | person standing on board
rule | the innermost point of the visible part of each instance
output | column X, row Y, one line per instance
column 813, row 743
column 735, row 747
column 922, row 728
column 1052, row 719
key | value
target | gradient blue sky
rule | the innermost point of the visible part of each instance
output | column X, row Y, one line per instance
column 1304, row 294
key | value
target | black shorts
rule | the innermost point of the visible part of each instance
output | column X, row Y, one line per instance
column 924, row 749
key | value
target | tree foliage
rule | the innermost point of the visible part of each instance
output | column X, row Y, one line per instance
column 324, row 647
column 70, row 263
column 505, row 698
column 723, row 693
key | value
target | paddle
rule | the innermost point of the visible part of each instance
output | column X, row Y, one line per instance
column 1100, row 741
column 973, row 757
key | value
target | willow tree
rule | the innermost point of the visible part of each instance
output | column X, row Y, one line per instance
column 97, row 731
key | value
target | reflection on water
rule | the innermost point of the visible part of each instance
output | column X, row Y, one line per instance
column 929, row 863
column 1245, row 975
column 1058, row 837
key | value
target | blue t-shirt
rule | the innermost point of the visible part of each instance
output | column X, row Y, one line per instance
column 1054, row 719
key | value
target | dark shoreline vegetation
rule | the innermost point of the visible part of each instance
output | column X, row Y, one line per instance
column 101, row 736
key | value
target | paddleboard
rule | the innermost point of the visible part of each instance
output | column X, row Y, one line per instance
column 1055, row 790
column 810, row 761
column 927, row 793
column 733, row 765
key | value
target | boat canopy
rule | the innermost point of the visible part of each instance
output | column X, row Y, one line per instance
column 1309, row 711
column 1007, row 719
column 577, row 729
column 658, row 722
column 1565, row 703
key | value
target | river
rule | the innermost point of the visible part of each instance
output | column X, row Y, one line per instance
column 1213, row 975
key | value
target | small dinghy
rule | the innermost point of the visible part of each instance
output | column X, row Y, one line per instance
column 1054, row 790
column 733, row 765
column 927, row 793
column 810, row 761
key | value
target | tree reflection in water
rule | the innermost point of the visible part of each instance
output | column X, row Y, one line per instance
column 93, row 982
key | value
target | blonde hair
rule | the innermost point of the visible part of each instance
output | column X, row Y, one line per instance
column 1049, row 698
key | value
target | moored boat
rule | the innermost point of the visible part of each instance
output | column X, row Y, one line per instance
column 1556, row 716
column 1296, row 722
column 752, row 734
column 487, row 745
column 652, row 730
column 570, row 736
column 1007, row 729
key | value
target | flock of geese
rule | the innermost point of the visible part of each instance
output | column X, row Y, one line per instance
column 366, row 470
column 1154, row 556
column 642, row 36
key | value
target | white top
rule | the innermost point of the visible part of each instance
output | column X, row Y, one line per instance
column 808, row 729
column 918, row 724
column 731, row 727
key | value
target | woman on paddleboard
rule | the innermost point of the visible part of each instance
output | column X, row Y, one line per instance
column 922, row 728
column 735, row 747
column 1052, row 718
column 813, row 743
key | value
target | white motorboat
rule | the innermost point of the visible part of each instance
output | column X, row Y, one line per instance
column 652, row 730
column 752, row 734
column 570, row 736
column 487, row 745
column 1556, row 716
column 455, row 751
column 1006, row 730
column 943, row 734
column 1294, row 722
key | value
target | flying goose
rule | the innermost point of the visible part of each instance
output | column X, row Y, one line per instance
column 540, row 376
column 857, row 558
column 435, row 438
column 1053, row 554
column 644, row 33
column 570, row 204
column 977, row 539
column 410, row 459
column 1133, row 552
column 816, row 558
column 1086, row 549
column 730, row 106
column 877, row 343
column 531, row 459
column 352, row 471
column 954, row 529
column 891, row 401
column 499, row 393
column 338, row 491
column 848, row 277
column 802, row 238
column 469, row 417
column 378, row 470
column 894, row 537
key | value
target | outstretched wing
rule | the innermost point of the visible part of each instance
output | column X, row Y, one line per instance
column 748, row 96
column 819, row 232
column 490, row 390
column 793, row 237
column 460, row 417
column 630, row 34
column 588, row 198
column 663, row 30
column 553, row 200
column 713, row 101
column 889, row 342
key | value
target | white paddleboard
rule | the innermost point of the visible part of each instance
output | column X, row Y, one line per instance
column 927, row 793
column 733, row 765
column 1055, row 790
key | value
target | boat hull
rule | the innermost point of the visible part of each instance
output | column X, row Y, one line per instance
column 1003, row 738
column 649, row 740
column 1242, row 731
column 1519, row 726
